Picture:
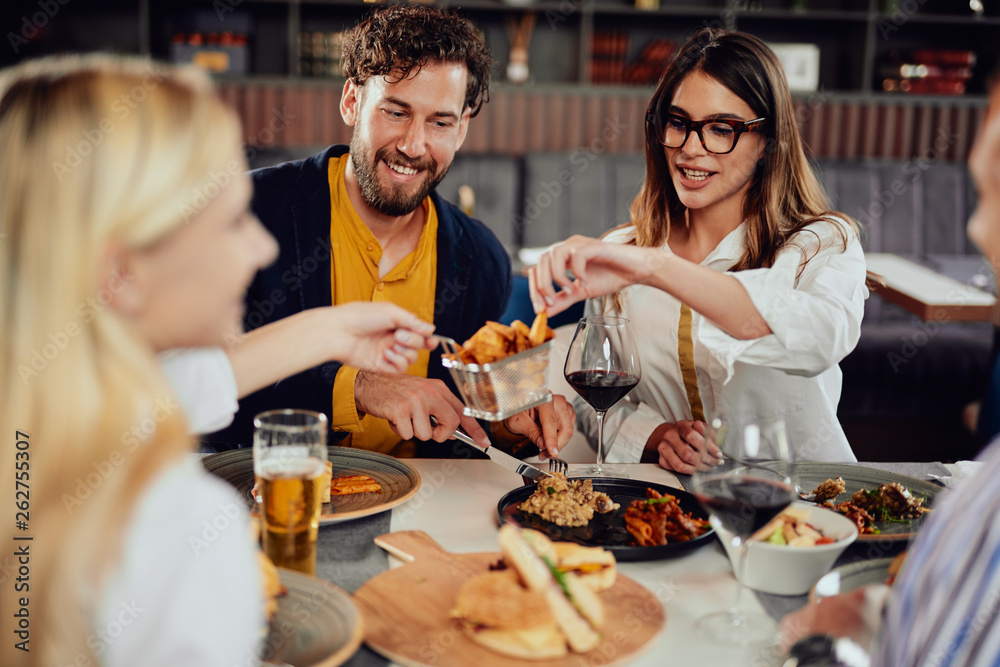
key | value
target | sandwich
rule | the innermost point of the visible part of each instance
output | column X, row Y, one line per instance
column 504, row 616
column 593, row 566
column 532, row 609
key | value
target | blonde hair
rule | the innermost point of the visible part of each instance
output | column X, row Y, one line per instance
column 94, row 151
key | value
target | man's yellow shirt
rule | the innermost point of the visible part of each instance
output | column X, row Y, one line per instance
column 354, row 276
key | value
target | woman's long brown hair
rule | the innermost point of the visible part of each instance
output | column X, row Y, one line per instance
column 784, row 195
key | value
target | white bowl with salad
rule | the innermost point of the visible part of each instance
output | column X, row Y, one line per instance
column 795, row 549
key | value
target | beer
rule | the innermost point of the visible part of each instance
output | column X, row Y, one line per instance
column 291, row 497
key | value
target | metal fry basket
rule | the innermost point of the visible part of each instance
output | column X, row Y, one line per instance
column 500, row 389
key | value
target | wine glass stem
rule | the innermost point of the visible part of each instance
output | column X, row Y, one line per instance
column 600, row 437
column 742, row 567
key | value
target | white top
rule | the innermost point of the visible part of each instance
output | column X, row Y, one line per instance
column 791, row 373
column 187, row 588
column 203, row 380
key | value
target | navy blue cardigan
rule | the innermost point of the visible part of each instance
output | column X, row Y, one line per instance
column 292, row 200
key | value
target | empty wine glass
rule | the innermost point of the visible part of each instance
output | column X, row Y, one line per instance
column 602, row 366
column 742, row 500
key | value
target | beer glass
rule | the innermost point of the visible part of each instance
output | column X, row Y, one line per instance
column 289, row 459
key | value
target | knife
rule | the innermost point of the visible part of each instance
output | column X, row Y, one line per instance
column 500, row 457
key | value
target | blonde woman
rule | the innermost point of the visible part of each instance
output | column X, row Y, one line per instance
column 743, row 289
column 124, row 231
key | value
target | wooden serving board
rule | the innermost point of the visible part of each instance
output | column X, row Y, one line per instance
column 405, row 611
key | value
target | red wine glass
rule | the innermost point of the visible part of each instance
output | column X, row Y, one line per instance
column 602, row 366
column 742, row 500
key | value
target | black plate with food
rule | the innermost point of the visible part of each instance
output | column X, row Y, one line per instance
column 608, row 530
column 809, row 475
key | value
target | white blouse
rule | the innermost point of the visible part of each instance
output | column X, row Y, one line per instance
column 186, row 590
column 203, row 380
column 792, row 373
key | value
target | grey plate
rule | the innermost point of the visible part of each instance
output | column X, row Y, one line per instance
column 398, row 480
column 856, row 477
column 847, row 578
column 317, row 624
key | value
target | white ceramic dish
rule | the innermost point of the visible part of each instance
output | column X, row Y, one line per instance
column 784, row 570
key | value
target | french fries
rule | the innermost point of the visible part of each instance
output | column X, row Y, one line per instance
column 344, row 486
column 539, row 329
column 495, row 341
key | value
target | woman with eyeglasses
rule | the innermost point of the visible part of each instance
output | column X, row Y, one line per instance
column 743, row 289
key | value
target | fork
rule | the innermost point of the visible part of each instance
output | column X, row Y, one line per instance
column 558, row 466
column 808, row 497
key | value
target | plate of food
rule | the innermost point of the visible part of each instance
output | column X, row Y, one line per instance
column 885, row 506
column 633, row 519
column 312, row 622
column 362, row 482
column 852, row 576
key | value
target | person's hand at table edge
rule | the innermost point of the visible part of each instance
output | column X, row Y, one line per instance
column 549, row 425
column 682, row 447
column 855, row 615
column 407, row 402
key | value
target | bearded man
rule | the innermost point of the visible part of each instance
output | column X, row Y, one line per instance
column 364, row 223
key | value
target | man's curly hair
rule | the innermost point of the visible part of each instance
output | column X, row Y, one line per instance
column 393, row 41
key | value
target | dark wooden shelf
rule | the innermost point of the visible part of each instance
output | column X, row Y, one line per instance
column 951, row 19
column 850, row 41
column 810, row 15
column 606, row 8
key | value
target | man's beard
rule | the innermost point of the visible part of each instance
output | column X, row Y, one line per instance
column 386, row 199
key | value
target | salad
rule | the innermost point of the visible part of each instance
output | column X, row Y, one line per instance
column 791, row 528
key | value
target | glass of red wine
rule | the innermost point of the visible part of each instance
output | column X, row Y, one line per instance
column 602, row 366
column 743, row 500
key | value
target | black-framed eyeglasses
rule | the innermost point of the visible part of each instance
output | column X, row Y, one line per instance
column 717, row 135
